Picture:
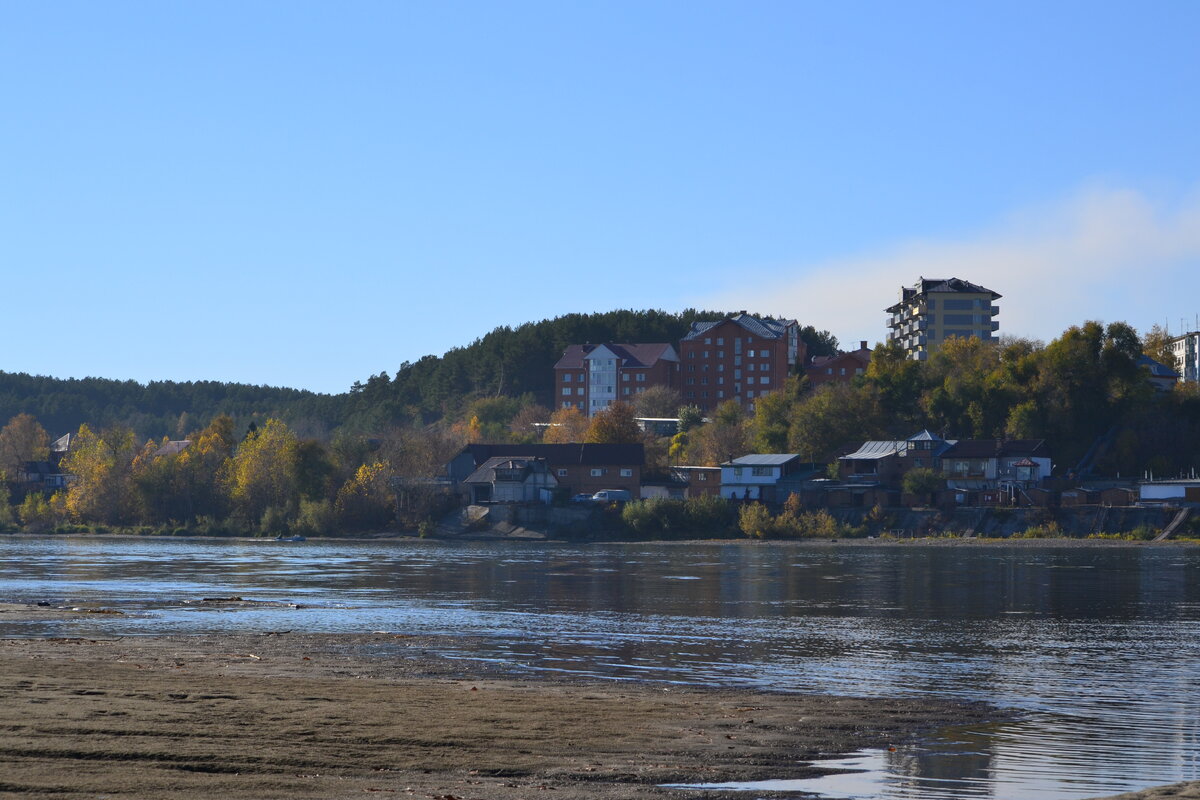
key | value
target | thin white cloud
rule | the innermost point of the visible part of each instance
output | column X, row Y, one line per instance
column 1106, row 253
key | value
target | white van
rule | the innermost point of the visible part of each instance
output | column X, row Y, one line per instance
column 612, row 496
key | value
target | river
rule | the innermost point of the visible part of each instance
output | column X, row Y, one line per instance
column 1095, row 650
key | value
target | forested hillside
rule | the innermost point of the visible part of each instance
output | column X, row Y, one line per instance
column 519, row 361
column 160, row 408
column 511, row 362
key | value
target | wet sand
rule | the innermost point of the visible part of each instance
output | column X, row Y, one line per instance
column 332, row 716
column 289, row 715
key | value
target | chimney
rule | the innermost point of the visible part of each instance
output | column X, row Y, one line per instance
column 862, row 344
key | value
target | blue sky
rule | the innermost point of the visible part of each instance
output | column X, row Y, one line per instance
column 305, row 194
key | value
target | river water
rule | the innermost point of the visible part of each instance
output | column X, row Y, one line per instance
column 1096, row 649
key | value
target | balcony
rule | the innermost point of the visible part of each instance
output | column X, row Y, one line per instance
column 995, row 325
column 994, row 310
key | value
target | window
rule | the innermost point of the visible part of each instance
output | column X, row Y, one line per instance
column 581, row 377
column 749, row 393
column 625, row 376
column 720, row 341
column 842, row 371
column 641, row 377
column 566, row 377
column 562, row 473
column 624, row 390
column 737, row 374
column 702, row 477
column 720, row 367
column 704, row 381
column 720, row 394
column 750, row 353
column 641, row 389
column 720, row 381
column 626, row 472
column 579, row 392
column 737, row 472
column 566, row 404
column 765, row 381
column 566, row 390
column 599, row 472
column 829, row 370
column 704, row 354
column 691, row 395
column 708, row 341
column 691, row 381
column 762, row 472
column 765, row 366
column 704, row 395
column 750, row 366
column 704, row 368
column 720, row 354
column 691, row 367
column 692, row 354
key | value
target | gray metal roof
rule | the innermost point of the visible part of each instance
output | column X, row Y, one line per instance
column 876, row 449
column 764, row 328
column 762, row 460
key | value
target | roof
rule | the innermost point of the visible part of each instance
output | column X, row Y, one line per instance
column 485, row 472
column 173, row 448
column 562, row 454
column 62, row 444
column 1025, row 462
column 925, row 436
column 997, row 448
column 762, row 460
column 631, row 355
column 1157, row 368
column 763, row 327
column 861, row 356
column 941, row 285
column 876, row 449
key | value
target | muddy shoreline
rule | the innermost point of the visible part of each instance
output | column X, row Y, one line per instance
column 330, row 716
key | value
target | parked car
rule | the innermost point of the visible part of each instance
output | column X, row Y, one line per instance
column 612, row 496
column 584, row 497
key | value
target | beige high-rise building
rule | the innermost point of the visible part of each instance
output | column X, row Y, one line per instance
column 935, row 309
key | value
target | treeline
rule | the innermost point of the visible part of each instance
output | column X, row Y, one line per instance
column 508, row 362
column 1084, row 393
column 265, row 480
column 160, row 408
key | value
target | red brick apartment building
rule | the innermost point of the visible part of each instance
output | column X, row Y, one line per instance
column 841, row 368
column 590, row 377
column 738, row 358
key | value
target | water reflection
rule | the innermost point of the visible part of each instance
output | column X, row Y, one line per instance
column 1097, row 645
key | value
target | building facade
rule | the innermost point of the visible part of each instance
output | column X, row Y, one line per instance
column 591, row 377
column 575, row 467
column 1186, row 349
column 738, row 358
column 842, row 368
column 936, row 309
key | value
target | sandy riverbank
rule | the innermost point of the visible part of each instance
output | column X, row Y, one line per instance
column 308, row 716
column 338, row 716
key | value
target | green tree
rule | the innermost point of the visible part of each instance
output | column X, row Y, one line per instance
column 102, row 464
column 659, row 402
column 261, row 474
column 923, row 482
column 22, row 439
column 614, row 425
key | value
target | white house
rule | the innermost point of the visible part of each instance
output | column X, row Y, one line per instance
column 760, row 476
